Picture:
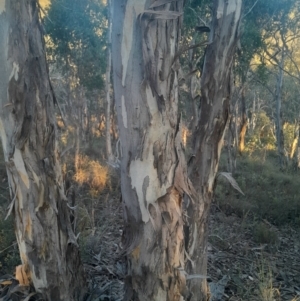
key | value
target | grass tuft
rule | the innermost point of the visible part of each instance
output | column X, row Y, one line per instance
column 92, row 174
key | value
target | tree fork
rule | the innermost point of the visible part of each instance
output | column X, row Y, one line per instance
column 154, row 176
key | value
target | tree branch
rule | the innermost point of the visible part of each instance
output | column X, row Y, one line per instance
column 249, row 11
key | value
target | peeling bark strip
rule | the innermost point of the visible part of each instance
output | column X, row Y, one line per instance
column 153, row 169
column 208, row 137
column 161, row 249
column 48, row 247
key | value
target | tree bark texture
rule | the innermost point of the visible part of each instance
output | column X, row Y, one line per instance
column 165, row 230
column 216, row 90
column 47, row 244
column 153, row 174
column 194, row 86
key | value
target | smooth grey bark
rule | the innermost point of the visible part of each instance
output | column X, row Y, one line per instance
column 47, row 244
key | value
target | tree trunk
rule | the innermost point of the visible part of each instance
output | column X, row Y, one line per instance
column 216, row 89
column 194, row 86
column 244, row 121
column 109, row 153
column 296, row 146
column 153, row 174
column 232, row 137
column 298, row 159
column 194, row 83
column 47, row 244
column 160, row 248
column 295, row 140
column 253, row 113
column 77, row 148
column 279, row 130
column 230, row 145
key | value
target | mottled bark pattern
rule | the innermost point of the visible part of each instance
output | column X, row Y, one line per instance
column 165, row 234
column 208, row 136
column 48, row 247
column 154, row 177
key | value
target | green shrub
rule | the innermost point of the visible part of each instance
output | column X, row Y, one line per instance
column 9, row 253
column 263, row 235
column 269, row 193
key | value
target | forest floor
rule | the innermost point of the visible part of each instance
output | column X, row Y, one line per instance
column 239, row 267
column 247, row 268
column 103, row 254
column 249, row 257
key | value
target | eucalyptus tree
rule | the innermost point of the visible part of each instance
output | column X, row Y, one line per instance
column 216, row 92
column 250, row 43
column 260, row 22
column 47, row 244
column 109, row 152
column 76, row 50
column 256, row 17
column 145, row 42
column 165, row 214
column 77, row 31
column 278, row 25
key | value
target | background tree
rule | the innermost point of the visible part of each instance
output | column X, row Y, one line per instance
column 78, row 39
column 274, row 26
column 108, row 140
column 47, row 244
column 76, row 49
